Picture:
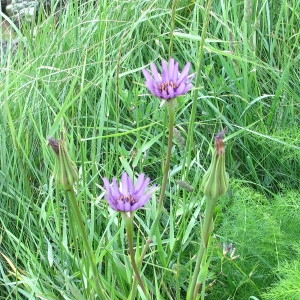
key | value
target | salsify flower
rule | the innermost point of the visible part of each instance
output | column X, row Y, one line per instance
column 128, row 196
column 66, row 173
column 170, row 83
column 215, row 181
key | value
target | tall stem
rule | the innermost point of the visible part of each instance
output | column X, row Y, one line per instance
column 164, row 180
column 75, row 209
column 168, row 159
column 171, row 111
column 206, row 231
column 129, row 230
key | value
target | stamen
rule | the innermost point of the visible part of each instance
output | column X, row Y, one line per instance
column 164, row 86
column 129, row 199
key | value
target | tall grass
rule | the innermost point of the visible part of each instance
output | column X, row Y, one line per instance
column 81, row 71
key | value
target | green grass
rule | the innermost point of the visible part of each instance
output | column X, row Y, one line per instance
column 81, row 74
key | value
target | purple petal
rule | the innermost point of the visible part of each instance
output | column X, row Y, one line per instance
column 150, row 191
column 150, row 86
column 187, row 88
column 114, row 191
column 150, row 83
column 130, row 185
column 184, row 74
column 139, row 191
column 171, row 92
column 180, row 89
column 106, row 184
column 165, row 71
column 139, row 181
column 142, row 201
column 120, row 206
column 155, row 73
column 147, row 75
column 113, row 204
column 119, row 200
column 136, row 206
column 126, row 206
column 164, row 95
column 125, row 184
column 157, row 92
column 139, row 204
column 175, row 73
column 171, row 69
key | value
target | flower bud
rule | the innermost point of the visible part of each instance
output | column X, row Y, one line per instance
column 66, row 173
column 215, row 181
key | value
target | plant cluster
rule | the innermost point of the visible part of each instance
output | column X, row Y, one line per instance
column 128, row 197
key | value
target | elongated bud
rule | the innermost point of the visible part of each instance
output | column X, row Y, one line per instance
column 215, row 181
column 66, row 173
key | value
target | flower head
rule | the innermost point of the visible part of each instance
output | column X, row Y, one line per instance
column 170, row 83
column 66, row 173
column 215, row 180
column 128, row 197
column 229, row 249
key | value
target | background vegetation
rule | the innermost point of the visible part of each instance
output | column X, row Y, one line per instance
column 81, row 71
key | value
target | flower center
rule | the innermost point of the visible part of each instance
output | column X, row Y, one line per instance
column 164, row 86
column 132, row 200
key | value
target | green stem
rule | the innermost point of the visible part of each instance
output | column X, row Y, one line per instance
column 206, row 231
column 164, row 180
column 172, row 26
column 207, row 227
column 75, row 209
column 129, row 230
column 168, row 159
column 191, row 290
column 171, row 110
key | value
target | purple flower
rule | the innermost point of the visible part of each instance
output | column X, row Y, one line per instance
column 128, row 197
column 170, row 83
